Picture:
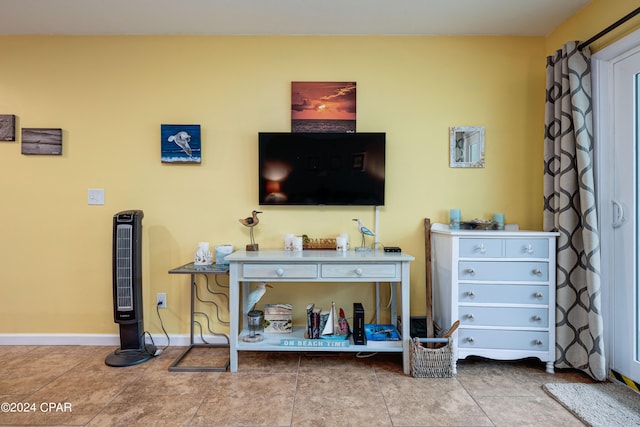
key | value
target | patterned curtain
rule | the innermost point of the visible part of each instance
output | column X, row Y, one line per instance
column 570, row 208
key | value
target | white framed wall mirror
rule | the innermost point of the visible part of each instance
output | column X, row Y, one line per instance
column 466, row 146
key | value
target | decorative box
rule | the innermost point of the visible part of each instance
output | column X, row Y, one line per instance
column 277, row 318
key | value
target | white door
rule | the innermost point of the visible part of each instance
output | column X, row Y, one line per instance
column 618, row 124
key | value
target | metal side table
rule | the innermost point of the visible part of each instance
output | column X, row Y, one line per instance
column 192, row 270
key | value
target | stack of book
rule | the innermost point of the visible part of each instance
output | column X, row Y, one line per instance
column 314, row 318
column 323, row 329
column 326, row 324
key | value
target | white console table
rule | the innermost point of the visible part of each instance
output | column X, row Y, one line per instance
column 279, row 266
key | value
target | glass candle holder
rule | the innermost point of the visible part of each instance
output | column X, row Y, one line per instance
column 498, row 218
column 454, row 219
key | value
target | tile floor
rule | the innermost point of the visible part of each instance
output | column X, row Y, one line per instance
column 61, row 385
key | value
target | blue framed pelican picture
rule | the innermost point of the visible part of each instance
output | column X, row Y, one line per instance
column 180, row 143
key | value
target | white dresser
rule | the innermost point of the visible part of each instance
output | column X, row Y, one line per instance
column 501, row 286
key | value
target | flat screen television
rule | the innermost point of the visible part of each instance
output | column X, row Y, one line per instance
column 321, row 168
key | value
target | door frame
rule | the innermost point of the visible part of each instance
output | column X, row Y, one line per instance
column 602, row 92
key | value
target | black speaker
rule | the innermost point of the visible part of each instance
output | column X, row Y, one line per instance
column 358, row 324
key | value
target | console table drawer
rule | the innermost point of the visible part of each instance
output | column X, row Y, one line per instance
column 350, row 271
column 504, row 271
column 504, row 316
column 503, row 294
column 507, row 340
column 283, row 271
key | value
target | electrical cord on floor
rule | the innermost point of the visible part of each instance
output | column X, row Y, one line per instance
column 159, row 351
column 156, row 352
column 361, row 355
column 144, row 347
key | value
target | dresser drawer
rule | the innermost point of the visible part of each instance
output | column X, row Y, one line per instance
column 504, row 316
column 527, row 248
column 350, row 271
column 501, row 294
column 283, row 271
column 481, row 248
column 503, row 271
column 507, row 340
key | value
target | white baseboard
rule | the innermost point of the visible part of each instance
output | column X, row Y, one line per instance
column 99, row 339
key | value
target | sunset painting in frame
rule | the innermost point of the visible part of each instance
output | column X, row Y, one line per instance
column 323, row 107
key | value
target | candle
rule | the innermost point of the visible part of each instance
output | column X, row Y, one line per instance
column 345, row 236
column 288, row 242
column 454, row 219
column 297, row 243
column 498, row 218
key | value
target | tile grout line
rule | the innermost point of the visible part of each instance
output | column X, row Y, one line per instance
column 386, row 405
column 474, row 400
column 295, row 390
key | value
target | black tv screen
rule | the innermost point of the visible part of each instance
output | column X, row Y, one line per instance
column 321, row 168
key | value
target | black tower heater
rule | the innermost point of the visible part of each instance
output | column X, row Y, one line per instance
column 127, row 290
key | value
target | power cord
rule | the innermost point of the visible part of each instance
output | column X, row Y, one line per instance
column 159, row 351
column 377, row 244
column 153, row 350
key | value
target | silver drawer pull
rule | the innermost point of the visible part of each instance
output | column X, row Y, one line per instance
column 536, row 318
column 470, row 339
column 280, row 272
column 470, row 271
column 538, row 295
column 537, row 272
column 470, row 294
column 529, row 249
column 537, row 342
column 480, row 248
column 358, row 271
column 470, row 316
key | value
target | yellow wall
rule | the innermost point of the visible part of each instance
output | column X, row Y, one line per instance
column 111, row 94
column 592, row 19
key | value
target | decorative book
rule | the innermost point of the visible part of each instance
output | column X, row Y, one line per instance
column 377, row 334
column 277, row 318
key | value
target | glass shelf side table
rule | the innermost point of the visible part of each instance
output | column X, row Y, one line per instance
column 193, row 270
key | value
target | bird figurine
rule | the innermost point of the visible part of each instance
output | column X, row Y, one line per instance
column 364, row 231
column 251, row 221
column 255, row 296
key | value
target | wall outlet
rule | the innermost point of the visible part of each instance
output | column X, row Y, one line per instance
column 161, row 300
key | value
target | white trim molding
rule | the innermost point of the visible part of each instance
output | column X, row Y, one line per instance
column 99, row 339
